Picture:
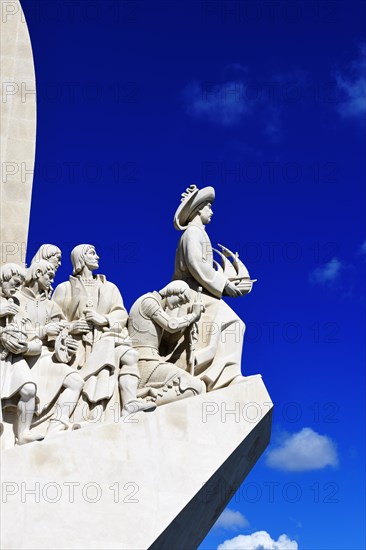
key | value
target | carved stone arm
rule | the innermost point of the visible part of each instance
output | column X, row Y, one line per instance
column 173, row 324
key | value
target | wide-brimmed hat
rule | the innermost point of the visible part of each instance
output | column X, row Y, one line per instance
column 191, row 199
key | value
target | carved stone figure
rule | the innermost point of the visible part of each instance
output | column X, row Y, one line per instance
column 49, row 252
column 221, row 331
column 105, row 358
column 17, row 384
column 152, row 315
column 58, row 384
column 52, row 254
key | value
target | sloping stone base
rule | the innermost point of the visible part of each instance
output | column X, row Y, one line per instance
column 157, row 480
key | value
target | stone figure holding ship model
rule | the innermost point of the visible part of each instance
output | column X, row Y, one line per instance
column 220, row 334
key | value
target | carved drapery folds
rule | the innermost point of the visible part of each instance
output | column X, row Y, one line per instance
column 73, row 355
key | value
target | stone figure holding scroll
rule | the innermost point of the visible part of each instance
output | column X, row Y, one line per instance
column 221, row 331
column 151, row 316
column 105, row 358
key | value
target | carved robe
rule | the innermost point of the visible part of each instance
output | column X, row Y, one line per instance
column 48, row 373
column 99, row 353
column 221, row 331
column 14, row 369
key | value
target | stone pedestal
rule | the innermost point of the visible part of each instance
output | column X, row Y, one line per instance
column 157, row 480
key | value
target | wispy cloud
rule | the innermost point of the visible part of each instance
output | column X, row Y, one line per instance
column 237, row 96
column 232, row 520
column 260, row 540
column 327, row 273
column 223, row 104
column 363, row 248
column 304, row 450
column 351, row 84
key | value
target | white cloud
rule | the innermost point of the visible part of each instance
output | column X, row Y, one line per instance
column 260, row 540
column 352, row 86
column 327, row 273
column 223, row 104
column 305, row 450
column 363, row 248
column 231, row 519
column 238, row 96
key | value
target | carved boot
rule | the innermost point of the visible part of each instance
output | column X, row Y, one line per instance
column 131, row 404
column 137, row 405
column 28, row 437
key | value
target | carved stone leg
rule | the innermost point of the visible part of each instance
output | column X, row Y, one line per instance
column 66, row 403
column 128, row 384
column 26, row 409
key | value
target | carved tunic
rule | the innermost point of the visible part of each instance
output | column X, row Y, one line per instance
column 194, row 262
column 99, row 353
column 48, row 373
column 148, row 322
column 14, row 369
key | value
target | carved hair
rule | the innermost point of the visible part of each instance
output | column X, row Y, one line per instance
column 41, row 265
column 78, row 257
column 45, row 252
column 175, row 288
column 7, row 271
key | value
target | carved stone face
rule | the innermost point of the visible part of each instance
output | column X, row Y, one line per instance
column 45, row 279
column 91, row 259
column 10, row 287
column 55, row 260
column 206, row 213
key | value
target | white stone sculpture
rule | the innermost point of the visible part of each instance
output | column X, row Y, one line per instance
column 181, row 478
column 152, row 315
column 105, row 358
column 52, row 254
column 220, row 331
column 17, row 384
column 58, row 384
column 49, row 252
column 186, row 340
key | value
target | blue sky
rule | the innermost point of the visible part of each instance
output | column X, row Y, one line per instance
column 266, row 102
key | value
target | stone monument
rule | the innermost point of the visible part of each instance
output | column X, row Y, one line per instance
column 79, row 375
column 124, row 430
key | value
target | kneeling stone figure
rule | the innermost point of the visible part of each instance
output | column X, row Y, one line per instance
column 150, row 316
